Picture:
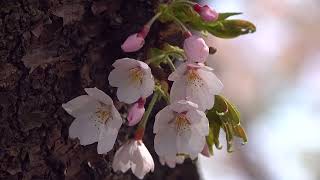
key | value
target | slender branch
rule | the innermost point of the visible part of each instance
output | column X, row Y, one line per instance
column 143, row 122
column 171, row 65
column 154, row 18
column 180, row 23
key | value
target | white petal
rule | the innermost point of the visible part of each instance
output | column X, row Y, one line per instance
column 178, row 73
column 126, row 63
column 183, row 106
column 199, row 120
column 84, row 129
column 119, row 77
column 107, row 138
column 121, row 160
column 143, row 161
column 147, row 85
column 81, row 105
column 178, row 91
column 162, row 119
column 116, row 120
column 128, row 94
column 99, row 95
column 212, row 81
column 165, row 143
column 190, row 142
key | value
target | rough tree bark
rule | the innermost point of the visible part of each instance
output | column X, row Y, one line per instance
column 78, row 41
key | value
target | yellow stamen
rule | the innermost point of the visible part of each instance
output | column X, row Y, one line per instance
column 180, row 123
column 194, row 78
column 103, row 113
column 136, row 75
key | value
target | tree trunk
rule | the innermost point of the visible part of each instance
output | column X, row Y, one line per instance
column 77, row 43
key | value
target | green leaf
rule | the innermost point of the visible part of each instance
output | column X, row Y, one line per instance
column 220, row 105
column 231, row 28
column 223, row 16
column 214, row 126
column 156, row 56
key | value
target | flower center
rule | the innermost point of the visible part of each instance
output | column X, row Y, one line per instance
column 193, row 78
column 103, row 113
column 136, row 75
column 180, row 123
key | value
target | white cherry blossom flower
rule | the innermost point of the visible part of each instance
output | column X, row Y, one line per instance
column 133, row 79
column 97, row 120
column 196, row 83
column 180, row 129
column 134, row 155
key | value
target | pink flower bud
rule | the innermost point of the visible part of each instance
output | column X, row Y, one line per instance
column 136, row 112
column 206, row 151
column 207, row 14
column 196, row 49
column 135, row 41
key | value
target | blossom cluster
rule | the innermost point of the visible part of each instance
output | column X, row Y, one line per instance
column 180, row 128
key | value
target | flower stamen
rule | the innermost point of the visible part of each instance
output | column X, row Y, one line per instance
column 136, row 75
column 103, row 113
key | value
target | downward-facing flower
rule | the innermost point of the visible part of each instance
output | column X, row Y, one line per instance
column 196, row 83
column 207, row 13
column 196, row 49
column 135, row 41
column 136, row 112
column 180, row 129
column 134, row 155
column 133, row 79
column 97, row 120
column 172, row 162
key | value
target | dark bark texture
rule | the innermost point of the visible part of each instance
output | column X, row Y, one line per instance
column 49, row 51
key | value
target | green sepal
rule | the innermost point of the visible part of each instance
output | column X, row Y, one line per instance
column 223, row 16
column 231, row 28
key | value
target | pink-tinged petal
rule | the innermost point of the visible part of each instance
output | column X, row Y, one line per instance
column 196, row 49
column 165, row 143
column 107, row 138
column 84, row 129
column 208, row 14
column 129, row 94
column 133, row 43
column 135, row 114
column 80, row 106
column 162, row 119
column 99, row 95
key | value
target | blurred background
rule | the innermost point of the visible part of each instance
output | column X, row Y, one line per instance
column 273, row 76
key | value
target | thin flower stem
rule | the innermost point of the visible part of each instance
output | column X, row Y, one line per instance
column 144, row 120
column 180, row 23
column 154, row 18
column 163, row 95
column 171, row 65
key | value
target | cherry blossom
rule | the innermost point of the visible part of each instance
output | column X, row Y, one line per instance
column 136, row 112
column 133, row 79
column 135, row 41
column 196, row 83
column 133, row 154
column 196, row 49
column 172, row 162
column 180, row 129
column 97, row 120
column 207, row 13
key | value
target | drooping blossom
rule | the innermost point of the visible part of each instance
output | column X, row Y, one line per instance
column 207, row 13
column 180, row 129
column 133, row 79
column 135, row 41
column 196, row 49
column 97, row 120
column 136, row 112
column 196, row 83
column 133, row 154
